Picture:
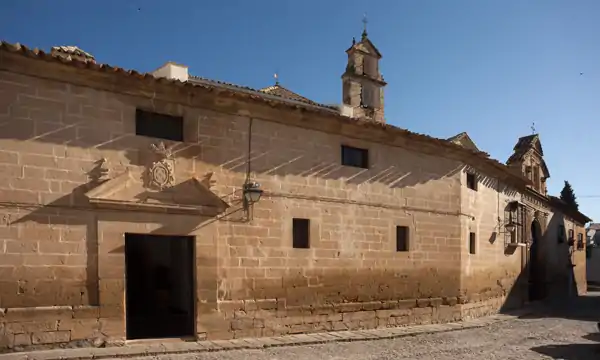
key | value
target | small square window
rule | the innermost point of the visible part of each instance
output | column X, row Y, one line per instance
column 580, row 243
column 472, row 241
column 301, row 233
column 355, row 157
column 561, row 234
column 402, row 238
column 159, row 126
column 472, row 181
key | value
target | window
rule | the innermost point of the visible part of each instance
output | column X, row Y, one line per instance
column 369, row 96
column 514, row 213
column 370, row 66
column 366, row 96
column 561, row 234
column 402, row 238
column 158, row 125
column 472, row 240
column 301, row 233
column 580, row 244
column 536, row 178
column 571, row 234
column 346, row 92
column 472, row 181
column 355, row 157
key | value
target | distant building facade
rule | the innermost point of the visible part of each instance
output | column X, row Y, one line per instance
column 167, row 205
column 593, row 254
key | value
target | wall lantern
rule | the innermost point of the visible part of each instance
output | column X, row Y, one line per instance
column 252, row 193
column 510, row 227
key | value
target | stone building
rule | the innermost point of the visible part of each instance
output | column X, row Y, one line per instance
column 144, row 206
column 593, row 255
column 566, row 249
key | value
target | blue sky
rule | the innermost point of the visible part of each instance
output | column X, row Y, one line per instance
column 490, row 68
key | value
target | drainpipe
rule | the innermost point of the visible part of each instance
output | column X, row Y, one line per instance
column 570, row 270
column 570, row 283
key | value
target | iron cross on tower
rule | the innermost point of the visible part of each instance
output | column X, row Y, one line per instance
column 365, row 21
column 533, row 128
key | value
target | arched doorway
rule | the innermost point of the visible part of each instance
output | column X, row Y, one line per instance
column 536, row 264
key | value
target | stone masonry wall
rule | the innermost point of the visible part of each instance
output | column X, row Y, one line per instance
column 563, row 280
column 58, row 255
column 494, row 269
column 580, row 261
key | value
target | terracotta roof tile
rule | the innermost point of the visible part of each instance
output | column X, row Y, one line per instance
column 569, row 210
column 464, row 140
column 276, row 90
column 235, row 91
column 288, row 94
column 457, row 137
column 73, row 50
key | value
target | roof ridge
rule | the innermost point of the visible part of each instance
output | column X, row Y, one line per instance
column 262, row 91
column 457, row 136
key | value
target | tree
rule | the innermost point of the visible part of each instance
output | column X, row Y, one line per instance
column 568, row 195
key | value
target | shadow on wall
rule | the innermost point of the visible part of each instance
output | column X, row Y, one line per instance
column 561, row 266
column 220, row 141
column 107, row 125
column 82, row 289
column 517, row 295
column 547, row 274
column 576, row 307
column 493, row 184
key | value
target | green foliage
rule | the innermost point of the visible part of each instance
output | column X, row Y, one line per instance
column 568, row 195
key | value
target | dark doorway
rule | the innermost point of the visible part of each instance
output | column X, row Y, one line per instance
column 536, row 263
column 159, row 286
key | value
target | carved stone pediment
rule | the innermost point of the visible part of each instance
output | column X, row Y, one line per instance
column 126, row 191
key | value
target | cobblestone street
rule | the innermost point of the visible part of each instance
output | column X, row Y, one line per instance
column 518, row 339
column 569, row 335
column 562, row 331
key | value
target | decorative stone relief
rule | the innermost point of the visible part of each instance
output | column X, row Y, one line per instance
column 99, row 172
column 207, row 180
column 161, row 173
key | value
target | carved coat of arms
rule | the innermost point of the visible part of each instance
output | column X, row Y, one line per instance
column 161, row 174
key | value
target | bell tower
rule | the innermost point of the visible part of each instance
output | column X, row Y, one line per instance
column 362, row 83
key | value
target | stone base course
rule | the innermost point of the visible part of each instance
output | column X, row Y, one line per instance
column 37, row 328
column 166, row 348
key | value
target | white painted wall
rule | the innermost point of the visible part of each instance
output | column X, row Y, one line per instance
column 172, row 71
column 593, row 264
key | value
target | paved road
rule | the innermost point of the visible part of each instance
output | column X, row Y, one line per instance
column 570, row 334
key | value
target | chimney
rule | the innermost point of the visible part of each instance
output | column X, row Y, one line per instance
column 172, row 71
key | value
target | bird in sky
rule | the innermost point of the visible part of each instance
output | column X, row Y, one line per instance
column 580, row 74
